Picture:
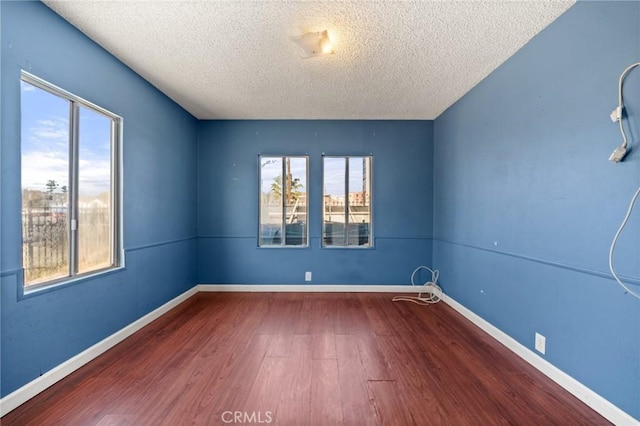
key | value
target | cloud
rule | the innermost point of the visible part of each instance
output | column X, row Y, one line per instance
column 94, row 176
column 26, row 87
column 45, row 154
column 38, row 167
column 45, row 157
column 54, row 130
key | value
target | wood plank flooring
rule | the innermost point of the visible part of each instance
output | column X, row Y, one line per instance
column 306, row 359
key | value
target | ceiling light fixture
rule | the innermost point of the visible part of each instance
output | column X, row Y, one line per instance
column 315, row 43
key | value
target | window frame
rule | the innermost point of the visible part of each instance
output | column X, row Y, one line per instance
column 116, row 233
column 283, row 205
column 371, row 243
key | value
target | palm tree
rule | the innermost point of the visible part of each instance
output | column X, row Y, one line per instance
column 293, row 188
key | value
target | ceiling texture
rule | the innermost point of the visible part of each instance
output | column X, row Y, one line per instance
column 240, row 59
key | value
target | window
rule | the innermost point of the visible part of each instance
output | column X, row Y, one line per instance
column 70, row 185
column 347, row 202
column 283, row 201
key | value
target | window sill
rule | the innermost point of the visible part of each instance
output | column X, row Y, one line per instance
column 26, row 292
column 284, row 247
column 371, row 247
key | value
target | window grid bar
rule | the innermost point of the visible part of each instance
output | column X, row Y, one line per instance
column 283, row 204
column 57, row 91
column 114, row 238
column 69, row 194
column 73, row 184
column 346, row 201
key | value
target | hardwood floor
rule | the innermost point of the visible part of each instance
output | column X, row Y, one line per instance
column 306, row 359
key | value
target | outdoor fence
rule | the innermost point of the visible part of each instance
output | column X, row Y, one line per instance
column 45, row 234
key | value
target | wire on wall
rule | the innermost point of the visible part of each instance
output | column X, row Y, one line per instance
column 615, row 240
column 617, row 156
column 617, row 116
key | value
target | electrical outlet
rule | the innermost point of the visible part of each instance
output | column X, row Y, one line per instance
column 307, row 276
column 541, row 343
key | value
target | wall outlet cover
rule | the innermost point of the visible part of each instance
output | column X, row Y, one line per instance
column 541, row 343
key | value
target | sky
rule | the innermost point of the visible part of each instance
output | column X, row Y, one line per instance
column 45, row 143
column 271, row 167
column 45, row 150
column 334, row 169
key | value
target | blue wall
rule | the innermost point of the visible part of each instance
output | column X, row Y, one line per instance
column 510, row 189
column 228, row 209
column 40, row 331
column 526, row 202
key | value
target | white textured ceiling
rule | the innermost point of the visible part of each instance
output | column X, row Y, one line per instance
column 238, row 60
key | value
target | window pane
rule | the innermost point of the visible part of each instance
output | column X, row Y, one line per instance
column 45, row 184
column 296, row 201
column 283, row 201
column 334, row 201
column 94, row 191
column 347, row 201
column 359, row 201
column 69, row 185
column 270, row 201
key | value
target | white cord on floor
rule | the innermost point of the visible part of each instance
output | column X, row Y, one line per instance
column 431, row 288
column 615, row 241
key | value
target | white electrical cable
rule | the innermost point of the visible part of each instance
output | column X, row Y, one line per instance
column 620, row 104
column 431, row 288
column 615, row 241
column 635, row 196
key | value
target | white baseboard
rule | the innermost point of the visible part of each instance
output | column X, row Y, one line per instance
column 309, row 288
column 580, row 391
column 586, row 395
column 34, row 387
